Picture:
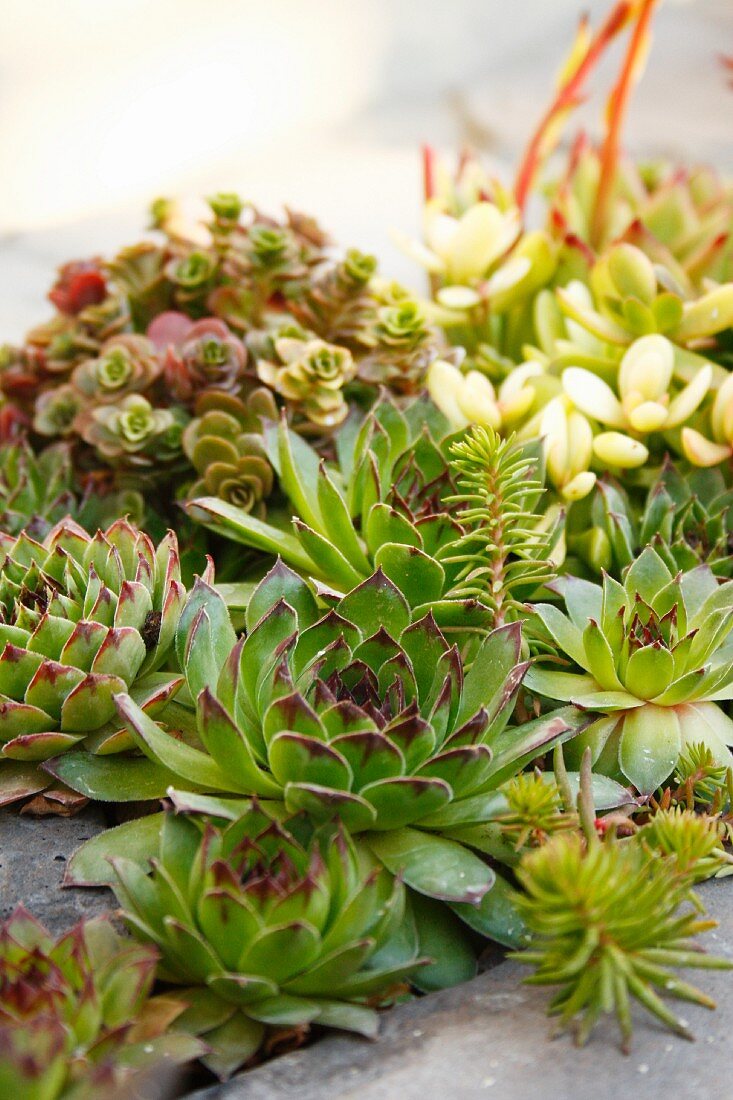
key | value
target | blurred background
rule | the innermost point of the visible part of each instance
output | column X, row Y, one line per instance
column 322, row 104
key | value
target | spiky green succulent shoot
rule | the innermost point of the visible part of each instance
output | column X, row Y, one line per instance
column 610, row 923
column 655, row 653
column 271, row 924
column 81, row 619
column 76, row 1015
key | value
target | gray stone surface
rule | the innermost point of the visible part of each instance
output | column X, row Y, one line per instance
column 489, row 1038
column 33, row 855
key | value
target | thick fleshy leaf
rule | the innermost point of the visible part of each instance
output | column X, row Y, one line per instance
column 328, row 558
column 325, row 804
column 444, row 940
column 184, row 761
column 498, row 655
column 234, row 523
column 517, row 747
column 110, row 778
column 405, row 799
column 496, row 916
column 295, row 758
column 432, row 865
column 19, row 780
column 371, row 756
column 282, row 584
column 376, row 603
column 649, row 671
column 419, row 577
column 650, row 746
column 136, row 840
column 232, row 1044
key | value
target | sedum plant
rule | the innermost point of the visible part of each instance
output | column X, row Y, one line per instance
column 76, row 1017
column 81, row 619
column 267, row 923
column 655, row 654
column 610, row 923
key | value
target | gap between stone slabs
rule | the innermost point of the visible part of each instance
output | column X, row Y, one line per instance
column 489, row 1038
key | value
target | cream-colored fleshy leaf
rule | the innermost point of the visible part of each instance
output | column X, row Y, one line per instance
column 593, row 396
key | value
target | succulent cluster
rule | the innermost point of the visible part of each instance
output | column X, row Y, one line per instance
column 76, row 1016
column 267, row 923
column 459, row 665
column 237, row 306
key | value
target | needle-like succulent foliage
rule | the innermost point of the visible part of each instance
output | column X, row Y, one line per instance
column 82, row 618
column 271, row 923
column 655, row 652
column 694, row 840
column 76, row 1016
column 611, row 924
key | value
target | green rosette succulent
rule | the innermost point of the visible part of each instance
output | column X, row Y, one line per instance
column 126, row 364
column 687, row 518
column 35, row 489
column 310, row 374
column 81, row 619
column 379, row 505
column 657, row 653
column 634, row 297
column 455, row 528
column 224, row 444
column 271, row 923
column 76, row 1017
column 132, row 435
column 364, row 713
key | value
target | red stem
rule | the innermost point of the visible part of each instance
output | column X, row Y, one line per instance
column 619, row 103
column 567, row 96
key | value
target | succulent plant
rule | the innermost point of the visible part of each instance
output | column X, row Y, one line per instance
column 76, row 1015
column 634, row 297
column 310, row 374
column 644, row 404
column 687, row 518
column 694, row 840
column 82, row 618
column 387, row 504
column 224, row 445
column 703, row 451
column 655, row 651
column 608, row 924
column 126, row 364
column 271, row 923
column 206, row 356
column 35, row 490
column 364, row 713
column 483, row 266
column 337, row 303
column 131, row 434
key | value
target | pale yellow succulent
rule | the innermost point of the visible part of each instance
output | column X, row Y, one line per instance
column 472, row 399
column 701, row 451
column 567, row 438
column 463, row 249
column 644, row 403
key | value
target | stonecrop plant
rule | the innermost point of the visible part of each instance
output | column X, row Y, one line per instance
column 414, row 608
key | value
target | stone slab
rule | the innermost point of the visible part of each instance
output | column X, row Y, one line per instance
column 33, row 856
column 489, row 1038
